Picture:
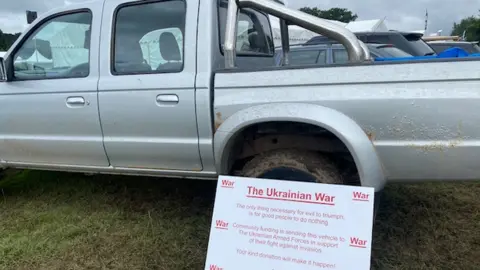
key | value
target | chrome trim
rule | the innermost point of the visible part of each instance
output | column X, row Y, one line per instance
column 312, row 23
column 365, row 49
column 3, row 70
column 229, row 47
column 167, row 98
column 75, row 101
column 356, row 51
column 285, row 42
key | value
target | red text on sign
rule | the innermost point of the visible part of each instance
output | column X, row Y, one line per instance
column 292, row 196
column 357, row 242
column 227, row 183
column 321, row 197
column 360, row 196
column 215, row 267
column 255, row 191
column 220, row 224
column 324, row 265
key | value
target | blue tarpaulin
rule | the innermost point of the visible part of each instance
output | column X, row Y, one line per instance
column 454, row 52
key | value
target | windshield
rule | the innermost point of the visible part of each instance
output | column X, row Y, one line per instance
column 395, row 52
column 420, row 45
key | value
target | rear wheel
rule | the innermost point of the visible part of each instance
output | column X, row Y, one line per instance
column 297, row 165
column 293, row 165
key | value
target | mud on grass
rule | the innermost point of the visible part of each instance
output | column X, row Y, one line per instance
column 71, row 221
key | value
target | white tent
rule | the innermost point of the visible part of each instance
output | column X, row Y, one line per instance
column 37, row 58
column 2, row 53
column 74, row 53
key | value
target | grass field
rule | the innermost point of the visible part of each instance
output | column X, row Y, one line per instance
column 71, row 221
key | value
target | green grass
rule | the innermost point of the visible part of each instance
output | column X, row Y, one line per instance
column 71, row 221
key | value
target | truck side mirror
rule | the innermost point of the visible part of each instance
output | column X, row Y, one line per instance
column 3, row 71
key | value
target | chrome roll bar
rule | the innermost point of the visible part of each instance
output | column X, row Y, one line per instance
column 357, row 51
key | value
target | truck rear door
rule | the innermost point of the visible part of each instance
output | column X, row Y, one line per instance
column 147, row 84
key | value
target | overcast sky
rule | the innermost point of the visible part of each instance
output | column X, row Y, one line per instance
column 400, row 14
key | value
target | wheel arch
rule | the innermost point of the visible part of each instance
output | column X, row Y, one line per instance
column 343, row 127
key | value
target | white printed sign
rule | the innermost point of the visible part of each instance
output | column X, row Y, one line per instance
column 262, row 224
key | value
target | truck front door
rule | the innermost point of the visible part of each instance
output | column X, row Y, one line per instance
column 49, row 112
column 147, row 84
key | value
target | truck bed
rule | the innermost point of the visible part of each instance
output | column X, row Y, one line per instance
column 422, row 117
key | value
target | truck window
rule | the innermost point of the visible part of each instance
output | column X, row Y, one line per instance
column 148, row 37
column 254, row 34
column 394, row 51
column 303, row 57
column 340, row 56
column 58, row 48
column 438, row 48
column 322, row 58
column 379, row 39
column 419, row 45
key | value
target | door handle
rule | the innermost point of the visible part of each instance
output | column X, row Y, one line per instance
column 170, row 99
column 75, row 101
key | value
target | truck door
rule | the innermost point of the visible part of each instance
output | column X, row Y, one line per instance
column 147, row 84
column 49, row 112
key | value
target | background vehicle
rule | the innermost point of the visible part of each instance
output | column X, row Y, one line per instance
column 409, row 42
column 333, row 53
column 440, row 46
column 162, row 88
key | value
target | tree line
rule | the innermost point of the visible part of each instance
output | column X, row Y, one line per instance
column 6, row 40
column 470, row 27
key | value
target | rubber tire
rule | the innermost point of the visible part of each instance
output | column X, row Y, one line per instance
column 314, row 164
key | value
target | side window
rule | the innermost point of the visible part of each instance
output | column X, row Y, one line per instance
column 340, row 56
column 59, row 48
column 303, row 57
column 322, row 58
column 149, row 38
column 254, row 34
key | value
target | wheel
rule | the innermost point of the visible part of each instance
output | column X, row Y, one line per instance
column 293, row 165
column 297, row 165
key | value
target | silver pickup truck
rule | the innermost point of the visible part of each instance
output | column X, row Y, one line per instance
column 190, row 89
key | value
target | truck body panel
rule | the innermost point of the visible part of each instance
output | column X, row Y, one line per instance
column 148, row 118
column 46, row 120
column 409, row 110
column 343, row 127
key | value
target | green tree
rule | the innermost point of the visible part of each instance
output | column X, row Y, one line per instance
column 6, row 40
column 337, row 14
column 469, row 25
